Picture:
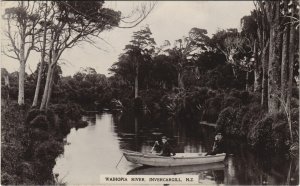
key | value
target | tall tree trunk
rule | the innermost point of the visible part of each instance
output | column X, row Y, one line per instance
column 136, row 81
column 6, row 80
column 21, row 96
column 21, row 83
column 50, row 88
column 291, row 63
column 285, row 57
column 247, row 80
column 264, row 60
column 180, row 81
column 47, row 87
column 164, row 86
column 257, row 70
column 38, row 83
column 52, row 63
column 274, row 57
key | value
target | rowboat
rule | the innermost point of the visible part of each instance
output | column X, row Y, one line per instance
column 149, row 170
column 177, row 160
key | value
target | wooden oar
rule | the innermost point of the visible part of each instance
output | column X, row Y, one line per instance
column 120, row 160
column 153, row 147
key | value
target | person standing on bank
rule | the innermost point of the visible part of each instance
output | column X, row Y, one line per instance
column 165, row 147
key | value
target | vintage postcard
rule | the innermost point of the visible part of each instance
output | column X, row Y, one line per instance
column 150, row 92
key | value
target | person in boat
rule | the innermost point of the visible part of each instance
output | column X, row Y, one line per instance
column 164, row 148
column 218, row 146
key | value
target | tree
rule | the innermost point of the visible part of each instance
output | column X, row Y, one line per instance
column 285, row 56
column 273, row 16
column 249, row 31
column 263, row 32
column 238, row 50
column 72, row 23
column 22, row 32
column 164, row 72
column 188, row 49
column 291, row 56
column 43, row 54
column 140, row 51
column 231, row 44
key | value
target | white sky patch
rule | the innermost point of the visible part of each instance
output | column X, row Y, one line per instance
column 170, row 20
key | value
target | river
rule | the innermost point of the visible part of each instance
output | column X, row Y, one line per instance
column 97, row 148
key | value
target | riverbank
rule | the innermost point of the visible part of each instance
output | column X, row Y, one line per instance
column 31, row 141
column 236, row 113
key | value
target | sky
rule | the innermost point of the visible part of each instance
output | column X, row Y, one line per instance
column 170, row 20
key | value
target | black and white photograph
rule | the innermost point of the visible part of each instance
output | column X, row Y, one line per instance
column 150, row 92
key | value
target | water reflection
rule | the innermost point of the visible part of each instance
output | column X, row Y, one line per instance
column 96, row 149
column 146, row 170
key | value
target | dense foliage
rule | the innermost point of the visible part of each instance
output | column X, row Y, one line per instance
column 28, row 144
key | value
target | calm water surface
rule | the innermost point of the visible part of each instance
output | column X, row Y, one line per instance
column 97, row 148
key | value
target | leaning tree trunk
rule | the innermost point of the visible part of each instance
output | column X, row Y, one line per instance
column 51, row 67
column 285, row 57
column 274, row 57
column 47, row 87
column 50, row 87
column 38, row 83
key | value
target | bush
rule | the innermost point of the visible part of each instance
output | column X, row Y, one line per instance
column 270, row 133
column 81, row 124
column 32, row 113
column 47, row 151
column 7, row 179
column 73, row 111
column 40, row 122
column 260, row 134
column 213, row 107
column 254, row 112
column 230, row 101
column 138, row 103
column 229, row 121
column 38, row 135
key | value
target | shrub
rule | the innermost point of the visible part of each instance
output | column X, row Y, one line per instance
column 229, row 121
column 38, row 135
column 213, row 107
column 7, row 179
column 138, row 103
column 260, row 134
column 254, row 112
column 48, row 150
column 270, row 133
column 230, row 101
column 81, row 124
column 40, row 122
column 32, row 113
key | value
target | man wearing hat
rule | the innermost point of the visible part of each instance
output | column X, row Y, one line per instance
column 166, row 149
column 218, row 146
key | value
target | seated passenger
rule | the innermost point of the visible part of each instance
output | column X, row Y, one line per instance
column 164, row 148
column 218, row 146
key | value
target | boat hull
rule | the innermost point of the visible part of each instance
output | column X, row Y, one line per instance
column 177, row 160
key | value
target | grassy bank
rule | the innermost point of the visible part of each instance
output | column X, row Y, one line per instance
column 31, row 141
